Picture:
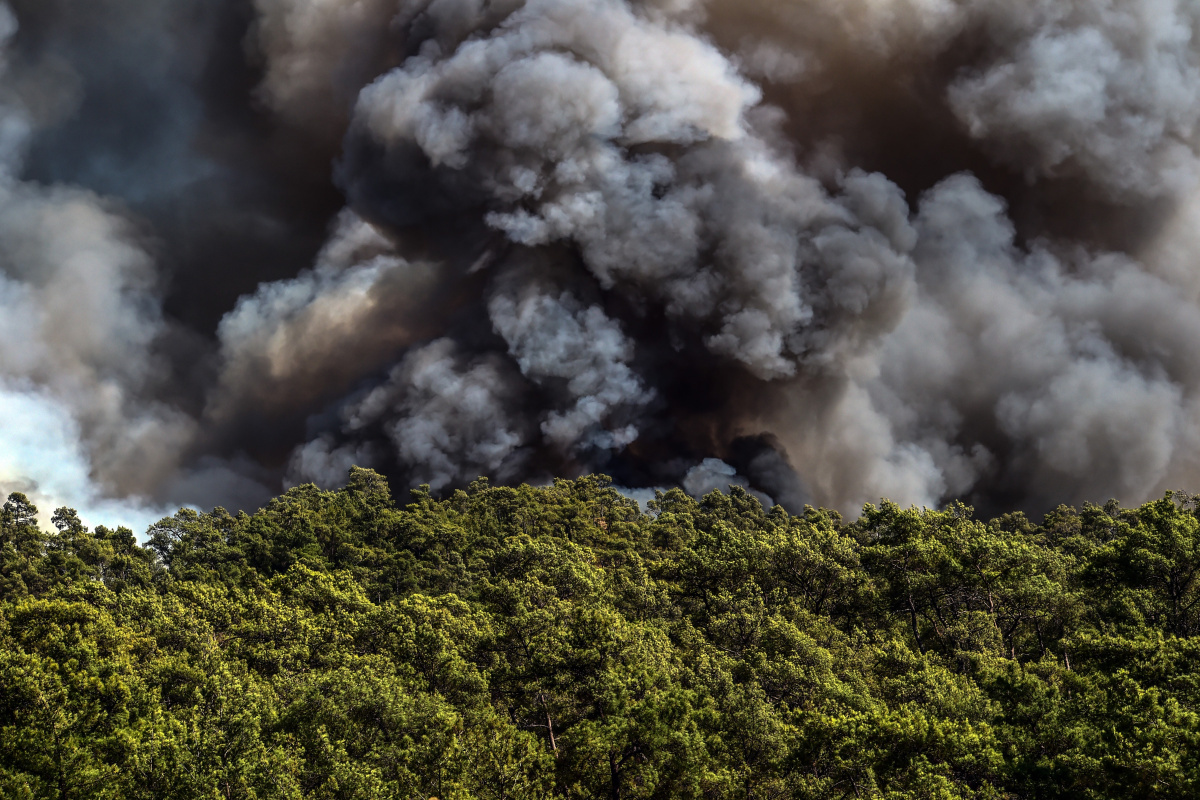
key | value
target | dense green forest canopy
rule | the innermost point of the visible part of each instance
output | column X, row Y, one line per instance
column 559, row 642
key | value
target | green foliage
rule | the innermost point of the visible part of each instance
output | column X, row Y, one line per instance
column 557, row 642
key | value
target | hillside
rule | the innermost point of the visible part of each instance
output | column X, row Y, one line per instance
column 559, row 643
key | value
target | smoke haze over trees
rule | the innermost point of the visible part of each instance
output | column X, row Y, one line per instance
column 828, row 250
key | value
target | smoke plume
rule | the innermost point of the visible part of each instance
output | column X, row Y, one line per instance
column 827, row 250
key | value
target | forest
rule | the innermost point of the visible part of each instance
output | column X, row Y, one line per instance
column 562, row 642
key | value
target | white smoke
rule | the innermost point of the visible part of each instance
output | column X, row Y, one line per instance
column 584, row 234
column 621, row 130
column 1111, row 90
column 712, row 474
column 1078, row 364
column 78, row 320
column 300, row 339
column 450, row 419
column 552, row 337
column 545, row 113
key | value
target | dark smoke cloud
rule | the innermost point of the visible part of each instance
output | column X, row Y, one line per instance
column 828, row 250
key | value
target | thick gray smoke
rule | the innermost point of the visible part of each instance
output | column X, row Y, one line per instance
column 828, row 250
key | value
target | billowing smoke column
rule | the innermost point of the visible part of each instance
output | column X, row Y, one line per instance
column 830, row 250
